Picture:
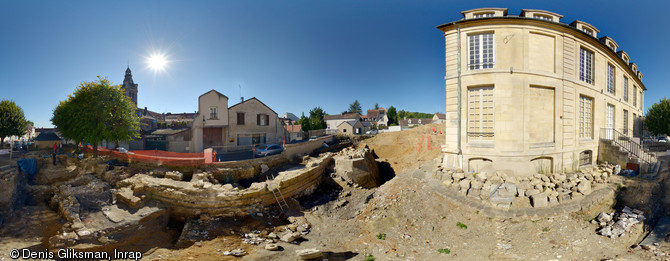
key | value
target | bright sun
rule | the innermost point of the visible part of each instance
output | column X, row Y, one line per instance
column 157, row 61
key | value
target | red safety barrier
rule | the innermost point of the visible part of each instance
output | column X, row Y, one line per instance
column 157, row 157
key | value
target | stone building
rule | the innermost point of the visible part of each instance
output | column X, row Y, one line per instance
column 129, row 87
column 244, row 124
column 529, row 94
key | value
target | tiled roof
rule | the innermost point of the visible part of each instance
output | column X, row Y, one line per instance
column 342, row 116
column 441, row 116
column 293, row 128
column 47, row 136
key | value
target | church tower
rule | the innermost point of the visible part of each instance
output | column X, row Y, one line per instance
column 129, row 87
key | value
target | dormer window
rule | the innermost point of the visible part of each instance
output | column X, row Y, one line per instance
column 585, row 27
column 483, row 15
column 542, row 17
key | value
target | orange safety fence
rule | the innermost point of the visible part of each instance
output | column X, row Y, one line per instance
column 157, row 157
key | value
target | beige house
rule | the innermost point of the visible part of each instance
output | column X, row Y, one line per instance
column 253, row 122
column 240, row 126
column 210, row 125
column 529, row 94
column 352, row 127
column 334, row 121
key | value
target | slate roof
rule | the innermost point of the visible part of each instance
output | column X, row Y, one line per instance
column 47, row 136
column 345, row 116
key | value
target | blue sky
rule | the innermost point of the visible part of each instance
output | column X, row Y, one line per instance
column 292, row 55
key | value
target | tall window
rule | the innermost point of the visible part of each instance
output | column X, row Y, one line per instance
column 542, row 17
column 240, row 118
column 625, row 122
column 611, row 74
column 641, row 100
column 212, row 113
column 262, row 119
column 480, row 114
column 482, row 15
column 585, row 117
column 634, row 96
column 585, row 65
column 481, row 51
column 625, row 88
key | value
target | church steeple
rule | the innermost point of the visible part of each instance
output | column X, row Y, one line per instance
column 129, row 87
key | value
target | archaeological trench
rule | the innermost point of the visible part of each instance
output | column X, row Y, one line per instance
column 102, row 205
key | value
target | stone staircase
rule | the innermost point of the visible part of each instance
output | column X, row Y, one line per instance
column 621, row 149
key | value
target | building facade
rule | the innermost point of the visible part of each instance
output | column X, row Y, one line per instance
column 252, row 122
column 529, row 94
column 129, row 87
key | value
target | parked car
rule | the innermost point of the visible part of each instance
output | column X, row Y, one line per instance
column 270, row 149
column 663, row 139
column 373, row 132
column 16, row 146
column 313, row 138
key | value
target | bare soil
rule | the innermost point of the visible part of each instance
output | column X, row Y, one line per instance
column 409, row 218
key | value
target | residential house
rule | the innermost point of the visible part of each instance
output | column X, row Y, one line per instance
column 210, row 126
column 294, row 133
column 405, row 123
column 536, row 94
column 439, row 117
column 289, row 119
column 253, row 122
column 333, row 121
column 175, row 140
column 376, row 117
column 351, row 127
column 47, row 139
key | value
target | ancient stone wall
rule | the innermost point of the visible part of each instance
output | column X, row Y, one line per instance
column 199, row 196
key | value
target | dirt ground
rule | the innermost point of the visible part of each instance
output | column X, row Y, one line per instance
column 410, row 218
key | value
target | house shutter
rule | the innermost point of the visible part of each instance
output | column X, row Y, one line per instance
column 267, row 119
column 258, row 119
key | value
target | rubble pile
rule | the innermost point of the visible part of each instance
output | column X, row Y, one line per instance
column 542, row 190
column 616, row 224
column 356, row 167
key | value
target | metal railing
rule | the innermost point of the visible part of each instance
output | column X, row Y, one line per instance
column 633, row 148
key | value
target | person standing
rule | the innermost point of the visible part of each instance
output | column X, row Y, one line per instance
column 53, row 155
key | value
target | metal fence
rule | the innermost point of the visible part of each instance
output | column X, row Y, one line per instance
column 625, row 142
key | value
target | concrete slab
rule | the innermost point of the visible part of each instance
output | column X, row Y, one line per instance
column 658, row 234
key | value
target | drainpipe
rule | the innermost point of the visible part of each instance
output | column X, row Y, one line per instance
column 460, row 152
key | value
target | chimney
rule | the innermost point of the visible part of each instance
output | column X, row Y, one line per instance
column 241, row 99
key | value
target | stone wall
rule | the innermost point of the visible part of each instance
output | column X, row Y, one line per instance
column 187, row 199
column 608, row 152
column 307, row 147
column 11, row 182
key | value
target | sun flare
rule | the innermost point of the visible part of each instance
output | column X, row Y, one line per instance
column 157, row 62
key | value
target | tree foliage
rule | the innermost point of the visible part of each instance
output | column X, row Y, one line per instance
column 657, row 120
column 376, row 106
column 304, row 121
column 392, row 115
column 96, row 112
column 12, row 120
column 316, row 121
column 355, row 107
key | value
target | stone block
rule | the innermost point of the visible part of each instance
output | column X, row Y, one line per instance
column 584, row 187
column 539, row 200
column 174, row 175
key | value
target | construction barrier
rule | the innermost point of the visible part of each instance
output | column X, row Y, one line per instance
column 157, row 157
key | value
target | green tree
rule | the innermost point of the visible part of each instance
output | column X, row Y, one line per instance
column 401, row 115
column 31, row 123
column 304, row 121
column 376, row 106
column 657, row 120
column 12, row 120
column 316, row 121
column 392, row 115
column 96, row 112
column 355, row 107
